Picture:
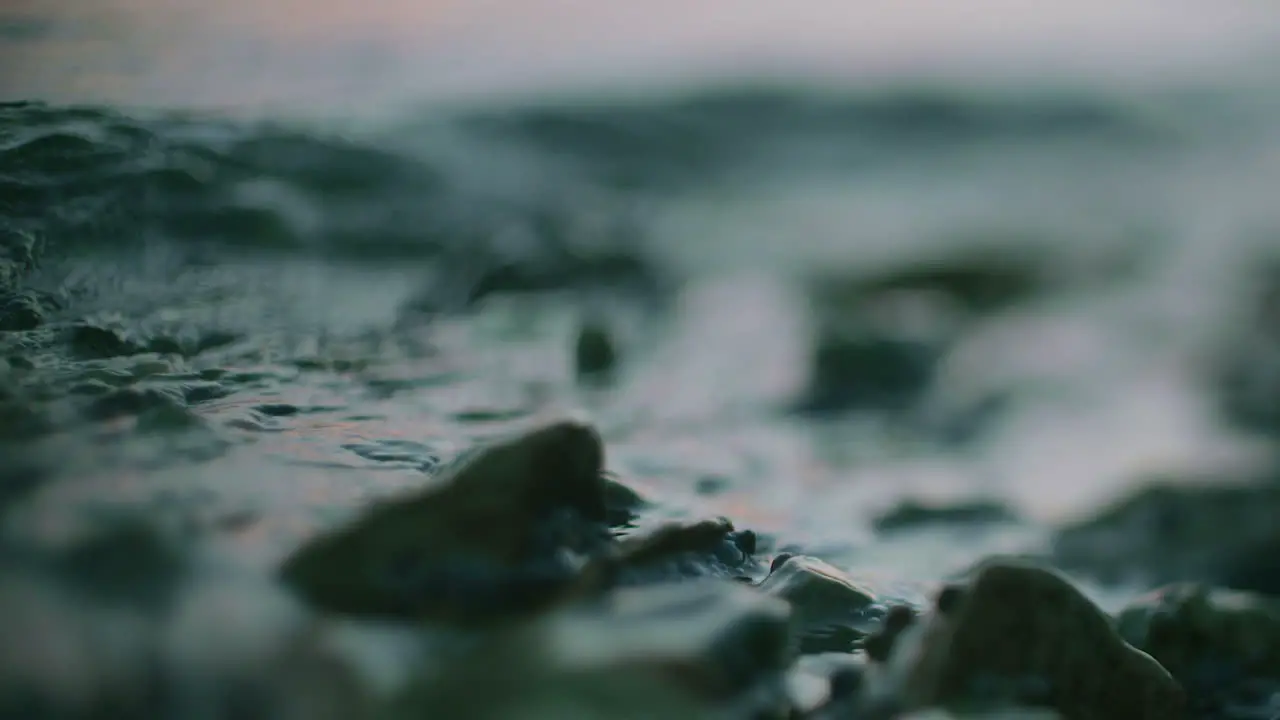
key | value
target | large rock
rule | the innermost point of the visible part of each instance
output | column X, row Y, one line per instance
column 1022, row 635
column 511, row 528
column 1169, row 532
column 881, row 338
column 485, row 539
column 1223, row 646
column 831, row 611
column 697, row 549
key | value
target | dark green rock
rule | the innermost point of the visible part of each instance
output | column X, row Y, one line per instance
column 913, row 514
column 20, row 311
column 486, row 539
column 97, row 342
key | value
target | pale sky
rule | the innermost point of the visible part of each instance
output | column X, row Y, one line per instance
column 241, row 51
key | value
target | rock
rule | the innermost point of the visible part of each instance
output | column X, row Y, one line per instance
column 699, row 549
column 623, row 502
column 880, row 339
column 20, row 252
column 136, row 400
column 130, row 562
column 831, row 612
column 21, row 311
column 913, row 514
column 92, row 342
column 1254, row 567
column 1169, row 532
column 820, row 682
column 594, row 354
column 1023, row 635
column 694, row 649
column 977, row 280
column 1246, row 370
column 853, row 371
column 495, row 534
column 1214, row 641
column 510, row 528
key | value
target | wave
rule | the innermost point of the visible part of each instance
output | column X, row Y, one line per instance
column 511, row 187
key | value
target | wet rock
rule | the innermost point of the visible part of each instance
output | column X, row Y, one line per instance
column 1215, row 642
column 881, row 338
column 118, row 402
column 131, row 562
column 1246, row 371
column 97, row 342
column 495, row 534
column 1169, row 532
column 1023, row 635
column 1254, row 568
column 980, row 280
column 622, row 502
column 819, row 682
column 830, row 610
column 695, row 649
column 190, row 344
column 913, row 514
column 593, row 353
column 857, row 371
column 558, row 268
column 700, row 549
column 20, row 252
column 21, row 311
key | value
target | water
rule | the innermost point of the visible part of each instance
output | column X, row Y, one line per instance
column 285, row 214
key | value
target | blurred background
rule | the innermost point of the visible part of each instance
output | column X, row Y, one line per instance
column 799, row 261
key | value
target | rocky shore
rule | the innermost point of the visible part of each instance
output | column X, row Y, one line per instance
column 513, row 585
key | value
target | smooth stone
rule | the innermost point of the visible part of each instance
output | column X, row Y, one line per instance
column 1192, row 628
column 915, row 514
column 493, row 535
column 831, row 611
column 1020, row 632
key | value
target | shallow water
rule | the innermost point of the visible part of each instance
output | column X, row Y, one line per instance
column 295, row 294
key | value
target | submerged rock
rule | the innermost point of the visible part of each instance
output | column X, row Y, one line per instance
column 688, row 650
column 1171, row 532
column 912, row 514
column 881, row 338
column 1023, row 635
column 831, row 611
